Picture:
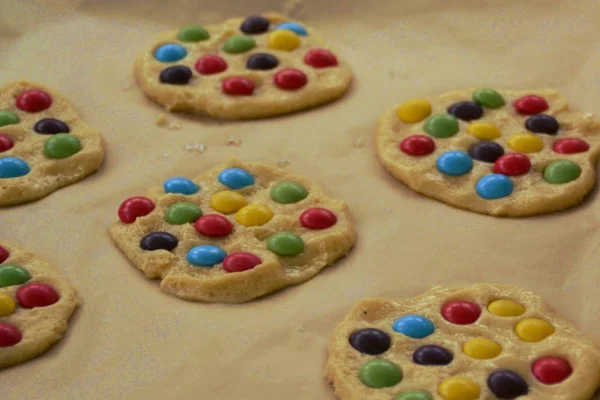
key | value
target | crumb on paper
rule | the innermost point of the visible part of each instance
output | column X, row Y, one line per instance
column 161, row 120
column 195, row 148
column 283, row 162
column 127, row 83
column 358, row 143
column 173, row 126
column 290, row 7
column 165, row 154
column 589, row 116
column 234, row 142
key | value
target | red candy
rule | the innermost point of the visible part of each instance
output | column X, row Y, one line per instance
column 417, row 145
column 570, row 146
column 461, row 312
column 9, row 335
column 34, row 295
column 3, row 254
column 512, row 164
column 6, row 143
column 240, row 261
column 551, row 370
column 237, row 86
column 317, row 218
column 34, row 101
column 135, row 207
column 213, row 225
column 210, row 64
column 320, row 58
column 531, row 104
column 290, row 79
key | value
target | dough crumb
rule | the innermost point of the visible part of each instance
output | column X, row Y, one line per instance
column 234, row 142
column 174, row 126
column 195, row 148
column 290, row 7
column 161, row 120
column 358, row 143
column 283, row 162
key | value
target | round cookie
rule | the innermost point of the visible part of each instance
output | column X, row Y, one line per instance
column 244, row 68
column 497, row 152
column 43, row 143
column 482, row 342
column 234, row 233
column 36, row 303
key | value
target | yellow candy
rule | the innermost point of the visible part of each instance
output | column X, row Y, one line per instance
column 459, row 388
column 533, row 330
column 227, row 202
column 284, row 40
column 482, row 348
column 254, row 215
column 506, row 308
column 525, row 143
column 7, row 305
column 413, row 111
column 484, row 131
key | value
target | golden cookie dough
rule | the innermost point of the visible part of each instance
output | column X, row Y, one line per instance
column 36, row 303
column 70, row 157
column 532, row 193
column 159, row 233
column 482, row 342
column 203, row 93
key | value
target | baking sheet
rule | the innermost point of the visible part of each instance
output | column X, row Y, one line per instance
column 130, row 341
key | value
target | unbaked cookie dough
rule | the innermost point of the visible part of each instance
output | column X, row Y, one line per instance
column 483, row 342
column 36, row 303
column 255, row 67
column 503, row 153
column 43, row 143
column 234, row 233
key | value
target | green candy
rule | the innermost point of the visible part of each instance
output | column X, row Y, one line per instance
column 380, row 373
column 441, row 125
column 414, row 395
column 288, row 192
column 239, row 44
column 488, row 98
column 8, row 118
column 562, row 172
column 182, row 213
column 13, row 275
column 285, row 244
column 62, row 145
column 192, row 33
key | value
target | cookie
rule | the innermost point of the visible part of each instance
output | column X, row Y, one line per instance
column 36, row 303
column 44, row 145
column 481, row 342
column 244, row 68
column 503, row 153
column 234, row 233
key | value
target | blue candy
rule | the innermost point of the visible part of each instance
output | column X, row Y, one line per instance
column 294, row 27
column 13, row 167
column 414, row 326
column 180, row 185
column 454, row 163
column 170, row 52
column 236, row 178
column 494, row 186
column 206, row 255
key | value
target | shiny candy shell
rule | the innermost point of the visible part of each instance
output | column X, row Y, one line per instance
column 4, row 254
column 488, row 98
column 283, row 40
column 494, row 186
column 192, row 33
column 454, row 163
column 533, row 330
column 8, row 118
column 414, row 326
column 213, row 225
column 461, row 312
column 255, row 25
column 239, row 44
column 379, row 373
column 466, row 110
column 507, row 384
column 551, row 370
column 182, row 213
column 294, row 27
column 170, row 52
column 290, row 79
column 413, row 111
column 531, row 104
column 206, row 255
column 62, row 145
column 441, row 125
column 525, row 143
column 285, row 244
column 484, row 130
column 481, row 348
column 13, row 167
column 432, row 355
column 11, row 275
column 254, row 215
column 506, row 308
column 180, row 185
column 34, row 101
column 320, row 58
column 240, row 261
column 486, row 151
column 317, row 218
column 262, row 62
column 570, row 146
column 51, row 126
column 210, row 64
column 288, row 192
column 10, row 335
column 7, row 305
column 562, row 171
column 133, row 208
column 34, row 295
column 370, row 341
column 417, row 145
column 414, row 395
column 6, row 143
column 542, row 123
column 227, row 201
column 175, row 75
column 238, row 86
column 459, row 388
column 159, row 241
column 236, row 178
column 512, row 164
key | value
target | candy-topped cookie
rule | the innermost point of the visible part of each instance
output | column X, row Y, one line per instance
column 234, row 233
column 254, row 67
column 44, row 145
column 497, row 152
column 36, row 303
column 483, row 342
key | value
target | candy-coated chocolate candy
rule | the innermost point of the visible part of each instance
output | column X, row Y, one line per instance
column 525, row 143
column 206, row 255
column 213, row 225
column 542, row 123
column 170, row 52
column 414, row 395
column 484, row 130
column 9, row 335
column 512, row 164
column 533, row 330
column 8, row 118
column 7, row 305
column 459, row 388
column 461, row 312
column 262, row 61
column 370, row 341
column 4, row 254
column 227, row 202
column 290, row 79
column 6, row 143
column 34, row 101
column 13, row 167
column 486, row 151
column 32, row 295
column 432, row 355
column 494, row 186
column 417, row 145
column 239, row 44
column 210, row 64
column 240, row 261
column 294, row 27
column 414, row 326
column 13, row 275
column 506, row 308
column 570, row 146
column 413, row 111
column 283, row 40
column 531, row 104
column 159, row 241
column 562, row 171
column 176, row 75
column 192, row 33
column 133, row 208
column 255, row 24
column 441, row 125
column 551, row 370
column 182, row 213
column 454, row 163
column 62, row 145
column 481, row 348
column 488, row 98
column 320, row 58
column 288, row 192
column 254, row 215
column 237, row 86
column 317, row 218
column 286, row 244
column 466, row 110
column 380, row 373
column 51, row 126
column 236, row 178
column 180, row 185
column 507, row 384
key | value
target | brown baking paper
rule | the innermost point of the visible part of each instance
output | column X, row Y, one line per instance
column 128, row 340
